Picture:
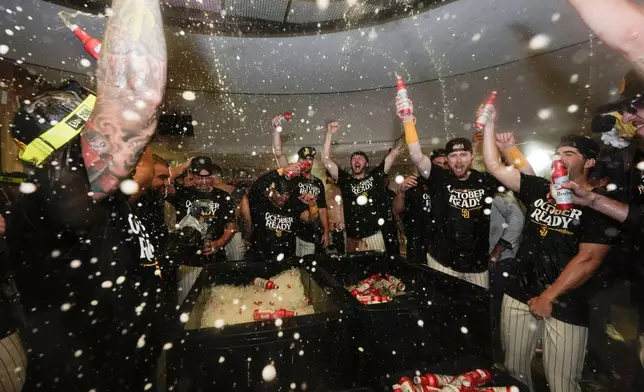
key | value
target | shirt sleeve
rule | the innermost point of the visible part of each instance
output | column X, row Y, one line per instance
column 321, row 199
column 343, row 176
column 532, row 188
column 436, row 177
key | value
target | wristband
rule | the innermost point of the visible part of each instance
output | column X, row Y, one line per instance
column 411, row 136
column 515, row 157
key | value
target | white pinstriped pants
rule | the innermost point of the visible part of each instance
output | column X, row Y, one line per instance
column 13, row 364
column 235, row 248
column 481, row 279
column 186, row 278
column 564, row 346
column 303, row 248
column 374, row 242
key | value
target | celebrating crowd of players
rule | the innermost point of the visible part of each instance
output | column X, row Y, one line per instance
column 93, row 263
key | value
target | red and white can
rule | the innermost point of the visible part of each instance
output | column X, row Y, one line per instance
column 498, row 389
column 265, row 283
column 433, row 380
column 388, row 286
column 401, row 91
column 563, row 197
column 472, row 379
column 258, row 315
column 363, row 286
column 396, row 388
column 399, row 284
column 406, row 385
column 301, row 166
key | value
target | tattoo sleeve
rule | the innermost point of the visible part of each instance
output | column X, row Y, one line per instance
column 131, row 81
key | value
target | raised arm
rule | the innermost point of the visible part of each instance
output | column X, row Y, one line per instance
column 131, row 81
column 177, row 171
column 395, row 151
column 330, row 165
column 277, row 143
column 509, row 176
column 422, row 162
column 618, row 23
column 507, row 144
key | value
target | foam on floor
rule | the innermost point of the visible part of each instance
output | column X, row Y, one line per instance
column 235, row 304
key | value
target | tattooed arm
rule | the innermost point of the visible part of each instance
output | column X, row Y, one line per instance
column 131, row 81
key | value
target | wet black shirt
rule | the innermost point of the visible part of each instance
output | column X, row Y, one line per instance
column 461, row 212
column 362, row 200
column 215, row 208
column 417, row 220
column 550, row 239
column 315, row 187
column 273, row 227
column 87, row 275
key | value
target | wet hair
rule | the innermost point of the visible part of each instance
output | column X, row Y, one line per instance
column 157, row 159
column 50, row 107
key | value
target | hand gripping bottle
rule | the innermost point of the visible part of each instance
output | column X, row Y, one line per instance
column 401, row 91
column 563, row 197
column 484, row 116
column 301, row 166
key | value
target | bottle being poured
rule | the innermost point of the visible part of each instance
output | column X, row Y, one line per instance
column 92, row 45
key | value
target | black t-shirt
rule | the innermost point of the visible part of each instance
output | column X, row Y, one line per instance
column 550, row 239
column 417, row 220
column 215, row 208
column 273, row 227
column 361, row 200
column 315, row 187
column 151, row 212
column 636, row 179
column 88, row 278
column 461, row 212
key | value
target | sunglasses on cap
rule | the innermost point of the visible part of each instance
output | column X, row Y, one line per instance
column 630, row 106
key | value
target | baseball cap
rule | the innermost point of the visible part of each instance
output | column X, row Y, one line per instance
column 630, row 92
column 201, row 166
column 458, row 144
column 283, row 185
column 439, row 152
column 306, row 152
column 360, row 153
column 586, row 146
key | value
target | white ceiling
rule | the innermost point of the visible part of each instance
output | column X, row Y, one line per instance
column 472, row 46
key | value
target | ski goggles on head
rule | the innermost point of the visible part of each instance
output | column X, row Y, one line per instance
column 39, row 149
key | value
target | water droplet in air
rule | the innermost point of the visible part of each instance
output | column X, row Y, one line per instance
column 167, row 346
column 381, row 222
column 120, row 279
column 489, row 200
column 222, row 359
column 322, row 4
column 219, row 323
column 574, row 78
column 372, row 34
column 8, row 32
column 296, row 336
column 73, row 264
column 292, row 386
column 27, row 187
column 85, row 63
column 280, row 257
column 544, row 114
column 539, row 42
column 130, row 115
column 640, row 166
column 399, row 179
column 188, row 95
column 269, row 373
column 435, row 140
column 421, row 323
column 573, row 108
column 147, row 387
column 487, row 211
column 184, row 317
column 611, row 187
column 362, row 199
column 464, row 329
column 301, row 353
column 65, row 307
column 4, row 49
column 129, row 187
column 338, row 199
column 361, row 349
column 555, row 17
column 78, row 353
column 106, row 284
column 476, row 37
column 279, row 322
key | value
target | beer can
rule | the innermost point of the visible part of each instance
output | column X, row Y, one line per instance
column 498, row 389
column 389, row 286
column 399, row 284
column 406, row 385
column 434, row 380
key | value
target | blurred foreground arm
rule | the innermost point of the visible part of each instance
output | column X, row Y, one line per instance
column 277, row 142
column 619, row 23
column 131, row 81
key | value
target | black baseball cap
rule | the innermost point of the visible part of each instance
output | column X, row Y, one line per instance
column 201, row 166
column 603, row 123
column 306, row 152
column 283, row 185
column 439, row 152
column 586, row 146
column 360, row 153
column 631, row 91
column 458, row 144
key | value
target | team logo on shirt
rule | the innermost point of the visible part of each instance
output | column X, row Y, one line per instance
column 278, row 223
column 306, row 188
column 202, row 209
column 362, row 187
column 465, row 199
column 549, row 217
column 146, row 248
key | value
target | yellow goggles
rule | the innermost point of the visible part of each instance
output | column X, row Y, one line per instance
column 39, row 149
